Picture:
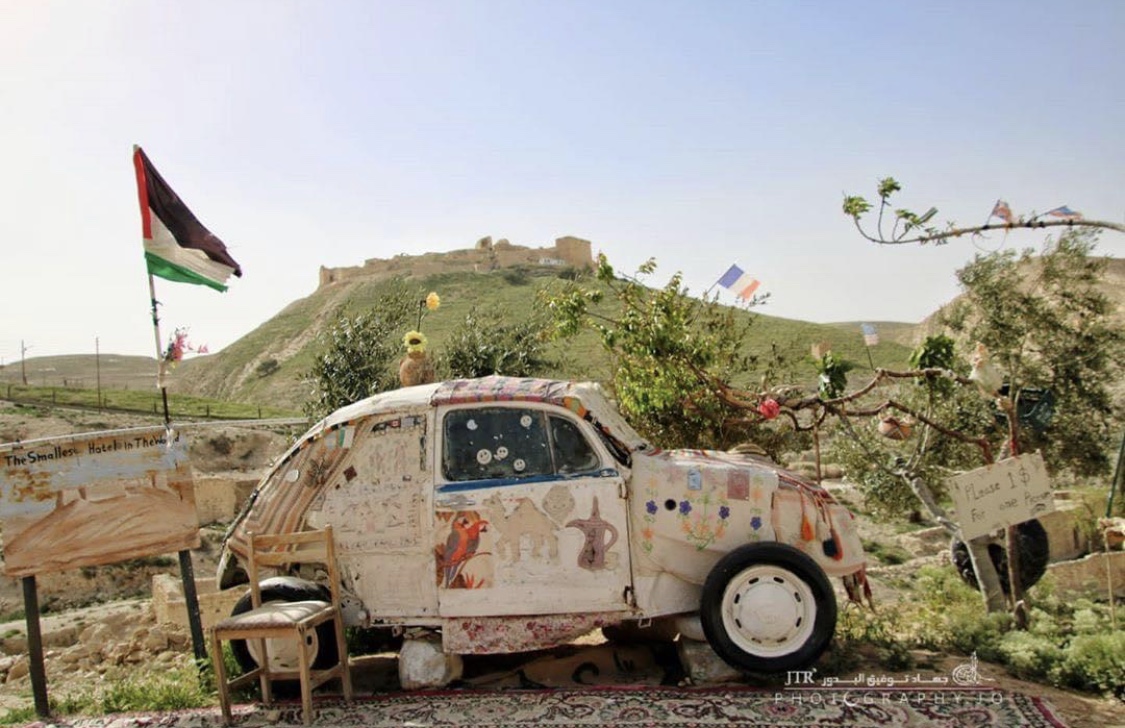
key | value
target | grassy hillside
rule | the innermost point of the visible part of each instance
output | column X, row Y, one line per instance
column 291, row 339
column 84, row 371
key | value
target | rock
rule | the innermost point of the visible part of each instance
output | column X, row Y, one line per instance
column 15, row 645
column 95, row 636
column 422, row 664
column 20, row 669
column 703, row 665
column 73, row 655
column 178, row 639
column 831, row 471
column 156, row 640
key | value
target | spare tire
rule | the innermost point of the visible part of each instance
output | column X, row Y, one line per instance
column 322, row 641
column 1034, row 551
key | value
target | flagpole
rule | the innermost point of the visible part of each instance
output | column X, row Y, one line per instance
column 192, row 255
column 159, row 349
column 187, row 571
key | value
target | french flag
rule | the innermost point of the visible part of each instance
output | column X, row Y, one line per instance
column 740, row 282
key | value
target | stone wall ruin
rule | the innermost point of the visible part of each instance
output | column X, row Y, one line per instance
column 485, row 256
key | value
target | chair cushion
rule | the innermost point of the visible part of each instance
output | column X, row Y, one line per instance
column 275, row 614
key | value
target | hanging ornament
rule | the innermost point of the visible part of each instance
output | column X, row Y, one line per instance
column 893, row 428
column 987, row 377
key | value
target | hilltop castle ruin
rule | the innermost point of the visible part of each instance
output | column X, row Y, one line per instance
column 568, row 251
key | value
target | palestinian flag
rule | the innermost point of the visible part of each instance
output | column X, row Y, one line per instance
column 177, row 246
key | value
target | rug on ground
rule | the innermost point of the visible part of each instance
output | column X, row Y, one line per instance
column 625, row 707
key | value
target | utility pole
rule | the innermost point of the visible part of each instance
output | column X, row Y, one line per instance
column 98, row 368
column 23, row 362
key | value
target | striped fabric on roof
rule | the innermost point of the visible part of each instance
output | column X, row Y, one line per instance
column 502, row 389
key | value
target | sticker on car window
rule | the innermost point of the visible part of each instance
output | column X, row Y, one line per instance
column 525, row 421
column 471, row 424
column 518, row 465
column 484, row 457
column 501, row 452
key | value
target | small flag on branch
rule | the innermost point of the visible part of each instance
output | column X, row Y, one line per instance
column 1002, row 211
column 870, row 335
column 741, row 283
column 1065, row 213
column 177, row 246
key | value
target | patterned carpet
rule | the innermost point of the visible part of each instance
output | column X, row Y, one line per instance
column 633, row 708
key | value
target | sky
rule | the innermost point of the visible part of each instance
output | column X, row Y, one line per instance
column 699, row 133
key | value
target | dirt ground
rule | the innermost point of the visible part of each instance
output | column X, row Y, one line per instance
column 115, row 597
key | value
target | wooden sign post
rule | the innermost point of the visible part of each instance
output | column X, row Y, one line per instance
column 92, row 499
column 1001, row 495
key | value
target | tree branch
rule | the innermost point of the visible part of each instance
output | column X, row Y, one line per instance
column 942, row 237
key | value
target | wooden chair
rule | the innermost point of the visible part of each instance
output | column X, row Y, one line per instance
column 284, row 621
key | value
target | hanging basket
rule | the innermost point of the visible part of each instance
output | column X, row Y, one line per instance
column 1035, row 408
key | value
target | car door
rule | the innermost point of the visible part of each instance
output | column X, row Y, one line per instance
column 529, row 514
column 379, row 507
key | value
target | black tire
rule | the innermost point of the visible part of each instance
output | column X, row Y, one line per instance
column 288, row 589
column 793, row 607
column 1035, row 554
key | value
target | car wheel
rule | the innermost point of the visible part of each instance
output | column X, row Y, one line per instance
column 1034, row 549
column 768, row 608
column 283, row 654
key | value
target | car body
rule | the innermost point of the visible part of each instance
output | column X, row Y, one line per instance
column 516, row 514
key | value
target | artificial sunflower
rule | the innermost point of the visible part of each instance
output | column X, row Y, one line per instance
column 415, row 342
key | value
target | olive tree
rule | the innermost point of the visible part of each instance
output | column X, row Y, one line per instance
column 666, row 349
column 1049, row 327
column 359, row 353
column 491, row 342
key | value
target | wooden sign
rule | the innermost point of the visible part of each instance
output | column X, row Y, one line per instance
column 95, row 498
column 1002, row 494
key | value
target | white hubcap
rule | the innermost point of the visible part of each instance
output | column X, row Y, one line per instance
column 283, row 653
column 768, row 611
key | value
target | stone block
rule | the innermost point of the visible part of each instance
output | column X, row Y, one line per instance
column 1065, row 538
column 702, row 665
column 422, row 664
column 1091, row 576
column 170, row 607
column 218, row 499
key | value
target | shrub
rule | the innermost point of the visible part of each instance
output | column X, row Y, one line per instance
column 1028, row 655
column 1095, row 662
column 517, row 276
column 489, row 342
column 947, row 616
column 267, row 367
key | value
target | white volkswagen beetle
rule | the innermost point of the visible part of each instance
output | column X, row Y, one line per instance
column 517, row 514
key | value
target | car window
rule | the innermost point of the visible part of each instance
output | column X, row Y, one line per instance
column 512, row 442
column 495, row 442
column 573, row 453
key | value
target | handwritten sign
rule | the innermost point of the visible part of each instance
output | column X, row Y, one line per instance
column 96, row 498
column 1002, row 494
